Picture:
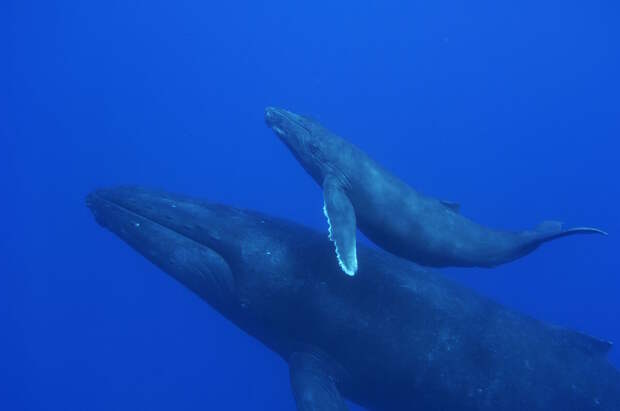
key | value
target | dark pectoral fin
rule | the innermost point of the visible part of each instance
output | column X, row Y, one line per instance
column 341, row 219
column 313, row 387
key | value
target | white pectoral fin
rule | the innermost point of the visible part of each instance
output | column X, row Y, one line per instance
column 341, row 220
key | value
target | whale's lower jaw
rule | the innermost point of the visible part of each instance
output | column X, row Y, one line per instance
column 195, row 265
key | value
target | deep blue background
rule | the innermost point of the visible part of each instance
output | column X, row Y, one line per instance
column 511, row 108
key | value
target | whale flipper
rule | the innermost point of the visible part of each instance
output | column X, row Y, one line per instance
column 313, row 386
column 341, row 220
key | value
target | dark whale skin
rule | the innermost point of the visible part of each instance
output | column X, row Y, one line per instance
column 397, row 336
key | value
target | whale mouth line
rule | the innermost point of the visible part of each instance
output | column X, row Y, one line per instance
column 278, row 131
column 90, row 203
column 289, row 117
column 92, row 198
column 210, row 242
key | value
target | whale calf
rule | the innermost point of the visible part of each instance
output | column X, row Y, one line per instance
column 358, row 192
column 397, row 336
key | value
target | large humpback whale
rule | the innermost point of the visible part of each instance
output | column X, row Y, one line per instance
column 395, row 337
column 359, row 192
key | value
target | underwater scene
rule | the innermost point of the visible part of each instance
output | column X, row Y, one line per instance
column 374, row 205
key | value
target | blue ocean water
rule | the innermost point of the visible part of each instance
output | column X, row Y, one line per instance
column 509, row 108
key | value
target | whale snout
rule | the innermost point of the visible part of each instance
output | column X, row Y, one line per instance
column 270, row 116
column 275, row 119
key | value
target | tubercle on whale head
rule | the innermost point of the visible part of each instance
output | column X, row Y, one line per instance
column 303, row 136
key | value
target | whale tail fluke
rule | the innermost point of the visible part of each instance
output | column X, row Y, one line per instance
column 550, row 230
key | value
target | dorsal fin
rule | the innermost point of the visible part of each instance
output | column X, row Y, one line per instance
column 587, row 343
column 456, row 207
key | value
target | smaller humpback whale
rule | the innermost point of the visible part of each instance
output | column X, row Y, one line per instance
column 358, row 192
column 395, row 337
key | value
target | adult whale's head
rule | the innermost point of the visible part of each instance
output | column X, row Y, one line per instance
column 314, row 146
column 242, row 263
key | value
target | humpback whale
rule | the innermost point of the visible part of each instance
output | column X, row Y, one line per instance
column 358, row 192
column 397, row 336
